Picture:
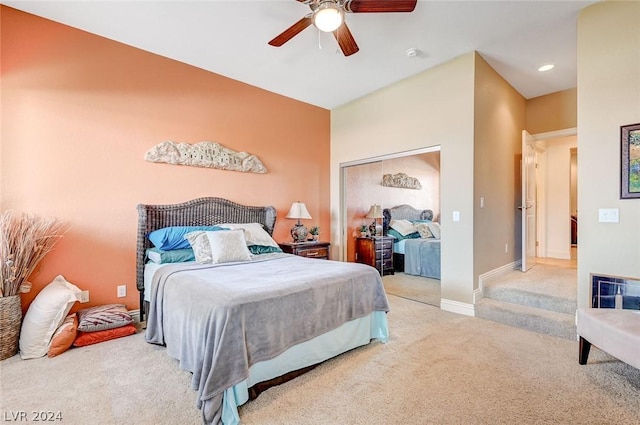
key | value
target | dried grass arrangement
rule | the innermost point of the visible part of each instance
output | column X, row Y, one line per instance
column 24, row 241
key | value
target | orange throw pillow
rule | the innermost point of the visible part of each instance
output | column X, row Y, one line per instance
column 64, row 336
column 88, row 338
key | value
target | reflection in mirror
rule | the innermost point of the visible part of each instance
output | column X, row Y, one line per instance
column 411, row 179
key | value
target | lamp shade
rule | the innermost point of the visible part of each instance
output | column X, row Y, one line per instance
column 298, row 210
column 375, row 211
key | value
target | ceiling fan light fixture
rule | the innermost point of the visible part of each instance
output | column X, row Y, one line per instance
column 328, row 17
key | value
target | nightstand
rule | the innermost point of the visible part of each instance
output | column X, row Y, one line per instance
column 309, row 249
column 376, row 251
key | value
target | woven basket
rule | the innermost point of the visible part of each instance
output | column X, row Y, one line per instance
column 10, row 321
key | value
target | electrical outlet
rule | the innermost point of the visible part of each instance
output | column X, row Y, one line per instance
column 84, row 296
column 122, row 291
column 506, row 248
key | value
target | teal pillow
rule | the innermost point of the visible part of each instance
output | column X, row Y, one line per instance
column 169, row 238
column 174, row 256
column 261, row 249
column 399, row 236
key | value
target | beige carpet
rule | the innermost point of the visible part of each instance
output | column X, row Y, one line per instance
column 438, row 368
column 417, row 288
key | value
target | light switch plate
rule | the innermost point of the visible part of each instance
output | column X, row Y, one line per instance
column 609, row 215
column 456, row 216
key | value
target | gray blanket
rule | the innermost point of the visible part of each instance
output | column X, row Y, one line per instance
column 218, row 320
column 422, row 257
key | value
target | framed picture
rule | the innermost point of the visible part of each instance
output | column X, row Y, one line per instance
column 630, row 161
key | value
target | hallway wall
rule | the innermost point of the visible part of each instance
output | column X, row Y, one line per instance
column 558, row 197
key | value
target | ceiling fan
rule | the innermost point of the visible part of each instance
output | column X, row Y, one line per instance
column 328, row 16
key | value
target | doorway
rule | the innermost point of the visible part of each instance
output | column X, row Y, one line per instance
column 557, row 215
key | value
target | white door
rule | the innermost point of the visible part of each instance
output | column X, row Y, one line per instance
column 528, row 206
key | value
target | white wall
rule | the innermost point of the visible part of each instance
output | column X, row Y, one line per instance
column 608, row 97
column 558, row 197
column 432, row 108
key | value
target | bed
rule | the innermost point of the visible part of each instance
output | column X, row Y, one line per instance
column 230, row 324
column 414, row 253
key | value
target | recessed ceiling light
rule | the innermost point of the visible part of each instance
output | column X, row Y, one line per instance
column 547, row 67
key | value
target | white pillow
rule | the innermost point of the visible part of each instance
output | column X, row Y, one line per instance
column 404, row 227
column 47, row 311
column 435, row 229
column 424, row 230
column 254, row 233
column 228, row 246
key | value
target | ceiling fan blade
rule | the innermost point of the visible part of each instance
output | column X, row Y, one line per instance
column 379, row 6
column 345, row 40
column 291, row 32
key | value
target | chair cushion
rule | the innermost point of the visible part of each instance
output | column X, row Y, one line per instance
column 615, row 331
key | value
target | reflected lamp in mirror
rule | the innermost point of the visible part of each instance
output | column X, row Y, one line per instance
column 375, row 212
column 299, row 211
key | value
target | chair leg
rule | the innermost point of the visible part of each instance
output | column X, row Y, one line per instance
column 584, row 348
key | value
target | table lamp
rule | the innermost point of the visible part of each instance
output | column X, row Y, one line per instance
column 298, row 211
column 375, row 212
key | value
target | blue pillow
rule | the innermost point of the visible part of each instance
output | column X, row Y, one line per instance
column 399, row 236
column 174, row 256
column 262, row 249
column 169, row 238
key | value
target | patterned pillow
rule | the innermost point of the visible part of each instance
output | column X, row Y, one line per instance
column 435, row 228
column 424, row 230
column 228, row 246
column 200, row 245
column 103, row 317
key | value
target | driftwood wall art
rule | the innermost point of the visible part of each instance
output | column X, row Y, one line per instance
column 401, row 180
column 205, row 154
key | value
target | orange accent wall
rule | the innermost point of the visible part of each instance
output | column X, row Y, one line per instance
column 78, row 114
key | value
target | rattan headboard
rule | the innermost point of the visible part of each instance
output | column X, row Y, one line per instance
column 197, row 212
column 403, row 212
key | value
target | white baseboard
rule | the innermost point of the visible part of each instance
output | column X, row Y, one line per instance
column 457, row 307
column 562, row 255
column 491, row 274
column 477, row 295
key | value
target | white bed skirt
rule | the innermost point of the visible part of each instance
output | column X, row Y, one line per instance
column 347, row 337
